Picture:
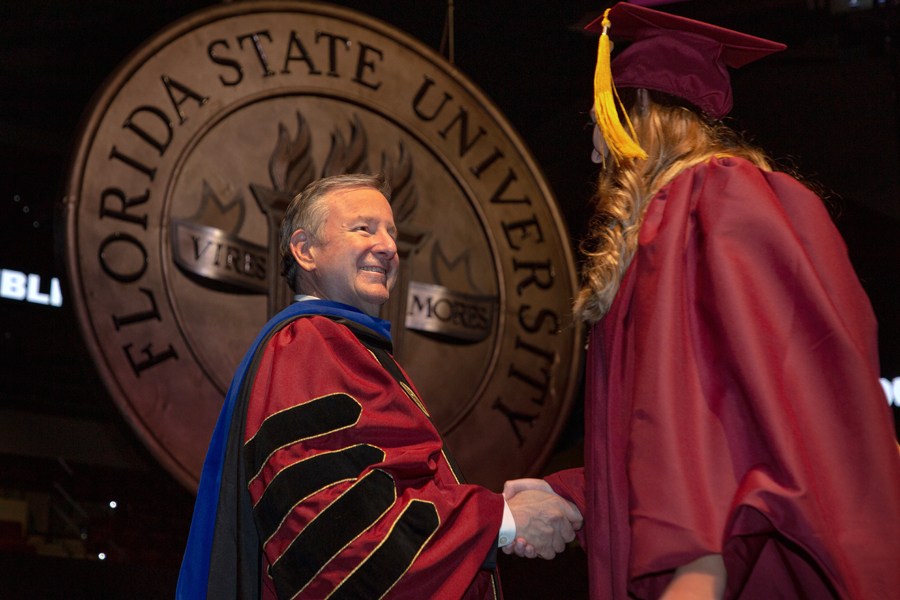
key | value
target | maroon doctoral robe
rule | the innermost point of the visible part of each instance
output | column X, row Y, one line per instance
column 733, row 403
column 353, row 493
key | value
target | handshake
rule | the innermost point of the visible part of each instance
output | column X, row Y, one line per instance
column 545, row 522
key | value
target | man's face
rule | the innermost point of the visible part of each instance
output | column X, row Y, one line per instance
column 355, row 259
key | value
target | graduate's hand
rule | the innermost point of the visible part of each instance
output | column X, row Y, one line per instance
column 544, row 522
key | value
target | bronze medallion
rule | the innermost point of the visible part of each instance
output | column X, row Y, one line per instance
column 185, row 164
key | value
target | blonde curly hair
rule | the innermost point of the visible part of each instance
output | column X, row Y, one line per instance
column 676, row 135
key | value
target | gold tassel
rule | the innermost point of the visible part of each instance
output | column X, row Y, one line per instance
column 617, row 140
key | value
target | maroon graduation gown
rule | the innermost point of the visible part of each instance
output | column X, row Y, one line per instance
column 733, row 403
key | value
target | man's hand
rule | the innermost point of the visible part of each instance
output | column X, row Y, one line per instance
column 514, row 486
column 544, row 523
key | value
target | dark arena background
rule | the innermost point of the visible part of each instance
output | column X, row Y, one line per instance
column 87, row 512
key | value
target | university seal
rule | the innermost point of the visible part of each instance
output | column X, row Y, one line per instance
column 189, row 155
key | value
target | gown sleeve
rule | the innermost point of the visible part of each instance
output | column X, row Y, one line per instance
column 569, row 484
column 758, row 427
column 353, row 496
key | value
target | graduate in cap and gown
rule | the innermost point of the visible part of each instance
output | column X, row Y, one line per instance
column 738, row 442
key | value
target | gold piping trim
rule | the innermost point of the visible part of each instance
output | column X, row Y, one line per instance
column 449, row 466
column 412, row 395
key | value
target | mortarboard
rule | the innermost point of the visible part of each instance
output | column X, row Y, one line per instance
column 670, row 54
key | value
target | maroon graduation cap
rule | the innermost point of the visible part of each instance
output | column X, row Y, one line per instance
column 675, row 55
column 680, row 56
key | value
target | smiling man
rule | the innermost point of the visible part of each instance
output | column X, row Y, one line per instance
column 326, row 476
column 350, row 257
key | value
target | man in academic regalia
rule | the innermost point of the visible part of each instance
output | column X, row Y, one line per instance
column 325, row 476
